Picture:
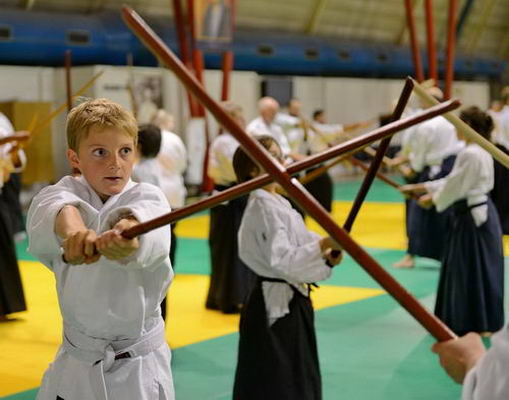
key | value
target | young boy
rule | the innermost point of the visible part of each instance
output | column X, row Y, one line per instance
column 278, row 356
column 109, row 288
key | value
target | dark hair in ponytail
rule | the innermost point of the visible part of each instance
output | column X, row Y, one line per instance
column 478, row 120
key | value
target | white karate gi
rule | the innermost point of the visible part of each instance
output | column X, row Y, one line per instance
column 258, row 127
column 6, row 129
column 275, row 243
column 294, row 133
column 108, row 307
column 432, row 142
column 173, row 160
column 471, row 178
column 221, row 153
column 328, row 134
column 148, row 170
column 502, row 128
column 489, row 380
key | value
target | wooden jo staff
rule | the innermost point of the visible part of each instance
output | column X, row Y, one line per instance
column 378, row 158
column 382, row 177
column 291, row 185
column 345, row 149
column 462, row 127
column 21, row 136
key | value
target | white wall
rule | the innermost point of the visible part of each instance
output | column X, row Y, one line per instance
column 345, row 100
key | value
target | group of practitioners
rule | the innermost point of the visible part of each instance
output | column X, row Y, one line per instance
column 112, row 290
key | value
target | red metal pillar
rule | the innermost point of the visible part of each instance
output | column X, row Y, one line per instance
column 430, row 38
column 68, row 83
column 414, row 45
column 451, row 45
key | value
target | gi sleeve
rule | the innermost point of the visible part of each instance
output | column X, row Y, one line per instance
column 43, row 240
column 457, row 184
column 300, row 264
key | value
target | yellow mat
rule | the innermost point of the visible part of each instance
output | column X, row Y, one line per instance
column 378, row 224
column 29, row 342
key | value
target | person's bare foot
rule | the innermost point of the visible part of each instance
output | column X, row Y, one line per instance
column 406, row 262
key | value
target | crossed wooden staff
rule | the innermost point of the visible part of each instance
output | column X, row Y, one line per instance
column 284, row 176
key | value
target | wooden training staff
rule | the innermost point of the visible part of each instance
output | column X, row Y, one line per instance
column 345, row 149
column 462, row 127
column 60, row 109
column 377, row 160
column 382, row 177
column 21, row 136
column 291, row 185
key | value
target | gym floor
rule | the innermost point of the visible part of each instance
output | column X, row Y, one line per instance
column 369, row 347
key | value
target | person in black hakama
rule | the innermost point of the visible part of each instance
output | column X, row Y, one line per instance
column 230, row 279
column 277, row 356
column 11, row 289
column 430, row 148
column 471, row 287
column 500, row 194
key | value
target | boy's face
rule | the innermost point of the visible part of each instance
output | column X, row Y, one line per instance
column 105, row 158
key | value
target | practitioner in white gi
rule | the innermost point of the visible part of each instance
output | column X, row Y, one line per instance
column 266, row 124
column 230, row 279
column 278, row 357
column 483, row 373
column 109, row 288
column 432, row 147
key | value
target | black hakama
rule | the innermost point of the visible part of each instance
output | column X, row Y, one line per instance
column 278, row 362
column 230, row 279
column 10, row 192
column 500, row 192
column 470, row 293
column 426, row 228
column 12, row 298
column 321, row 188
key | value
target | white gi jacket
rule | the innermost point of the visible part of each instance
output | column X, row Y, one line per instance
column 6, row 129
column 432, row 142
column 221, row 153
column 173, row 159
column 502, row 136
column 109, row 307
column 489, row 379
column 293, row 132
column 148, row 170
column 328, row 134
column 471, row 178
column 275, row 243
column 258, row 127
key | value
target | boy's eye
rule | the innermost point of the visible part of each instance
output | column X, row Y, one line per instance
column 99, row 152
column 126, row 151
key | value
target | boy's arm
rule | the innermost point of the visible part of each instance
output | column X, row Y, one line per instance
column 44, row 242
column 78, row 242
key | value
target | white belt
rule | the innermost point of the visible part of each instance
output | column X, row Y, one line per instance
column 102, row 353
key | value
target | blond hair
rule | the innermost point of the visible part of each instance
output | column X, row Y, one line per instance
column 98, row 113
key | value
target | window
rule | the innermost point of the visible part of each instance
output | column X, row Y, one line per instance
column 5, row 32
column 265, row 50
column 78, row 37
column 344, row 55
column 311, row 54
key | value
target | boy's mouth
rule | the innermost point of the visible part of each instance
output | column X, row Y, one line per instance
column 113, row 179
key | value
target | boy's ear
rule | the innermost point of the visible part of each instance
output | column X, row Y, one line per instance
column 73, row 159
